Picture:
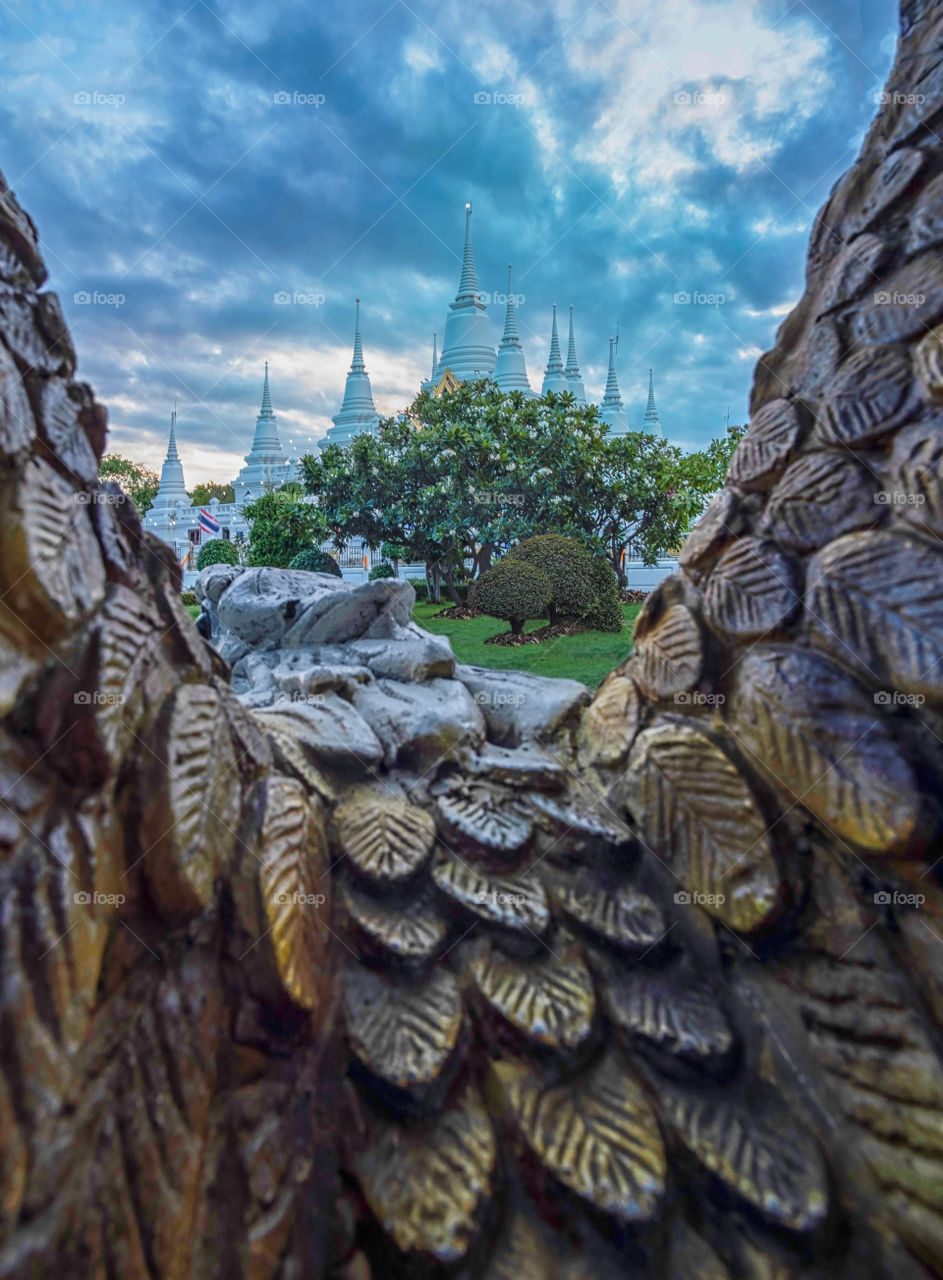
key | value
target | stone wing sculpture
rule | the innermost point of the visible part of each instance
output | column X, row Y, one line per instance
column 321, row 956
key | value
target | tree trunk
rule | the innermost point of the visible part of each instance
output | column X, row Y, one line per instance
column 449, row 576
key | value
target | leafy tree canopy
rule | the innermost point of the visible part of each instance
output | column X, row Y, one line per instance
column 282, row 524
column 203, row 494
column 140, row 483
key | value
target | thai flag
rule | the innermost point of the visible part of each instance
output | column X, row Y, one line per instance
column 208, row 522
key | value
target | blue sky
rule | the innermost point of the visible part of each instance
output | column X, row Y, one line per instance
column 618, row 153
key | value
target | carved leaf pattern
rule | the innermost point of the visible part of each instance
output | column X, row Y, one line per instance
column 822, row 741
column 870, row 397
column 410, row 934
column 429, row 1185
column 670, row 652
column 623, row 916
column 820, row 496
column 385, row 837
column 698, row 811
column 598, row 1136
column 769, row 443
column 876, row 600
column 403, row 1033
column 193, row 804
column 552, row 1001
column 516, row 902
column 752, row 589
column 292, row 881
column 779, row 1171
column 610, row 722
column 483, row 823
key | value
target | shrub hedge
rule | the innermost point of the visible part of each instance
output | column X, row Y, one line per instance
column 606, row 612
column 218, row 551
column 314, row 560
column 513, row 590
column 568, row 565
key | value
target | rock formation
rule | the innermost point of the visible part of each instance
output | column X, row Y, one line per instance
column 321, row 956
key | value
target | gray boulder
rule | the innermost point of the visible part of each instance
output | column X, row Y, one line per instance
column 421, row 723
column 518, row 707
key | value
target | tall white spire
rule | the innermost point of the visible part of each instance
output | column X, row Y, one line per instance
column 554, row 377
column 430, row 383
column 651, row 422
column 574, row 380
column 357, row 412
column 267, row 463
column 172, row 488
column 265, row 441
column 611, row 410
column 467, row 348
column 510, row 370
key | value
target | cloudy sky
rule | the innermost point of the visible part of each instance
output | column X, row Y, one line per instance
column 618, row 153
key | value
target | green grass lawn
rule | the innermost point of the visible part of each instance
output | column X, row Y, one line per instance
column 587, row 657
column 193, row 610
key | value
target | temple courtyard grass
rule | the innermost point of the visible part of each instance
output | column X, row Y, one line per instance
column 587, row 657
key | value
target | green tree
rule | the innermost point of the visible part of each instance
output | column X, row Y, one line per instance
column 642, row 498
column 514, row 590
column 281, row 524
column 203, row 494
column 460, row 478
column 140, row 483
column 217, row 551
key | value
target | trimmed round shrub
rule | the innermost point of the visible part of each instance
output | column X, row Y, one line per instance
column 314, row 560
column 606, row 613
column 188, row 598
column 219, row 551
column 383, row 570
column 513, row 590
column 568, row 565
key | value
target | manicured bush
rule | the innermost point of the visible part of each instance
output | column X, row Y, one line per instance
column 314, row 560
column 421, row 588
column 188, row 599
column 218, row 551
column 568, row 565
column 606, row 611
column 383, row 570
column 513, row 590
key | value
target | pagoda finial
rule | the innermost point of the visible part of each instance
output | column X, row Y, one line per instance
column 651, row 421
column 612, row 395
column 573, row 377
column 510, row 320
column 172, row 442
column 357, row 365
column 572, row 364
column 468, row 284
column 555, row 360
column 266, row 408
column 435, row 354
